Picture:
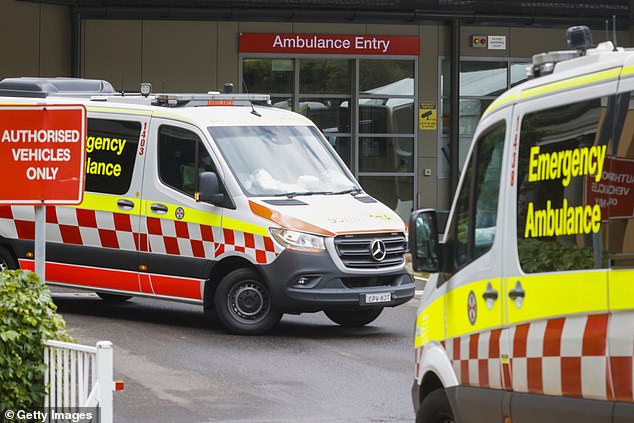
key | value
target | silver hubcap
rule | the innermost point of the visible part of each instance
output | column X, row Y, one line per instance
column 3, row 265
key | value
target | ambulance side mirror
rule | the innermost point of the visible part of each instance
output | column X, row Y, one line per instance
column 209, row 189
column 424, row 243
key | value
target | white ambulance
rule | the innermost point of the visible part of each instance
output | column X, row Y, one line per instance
column 213, row 200
column 528, row 315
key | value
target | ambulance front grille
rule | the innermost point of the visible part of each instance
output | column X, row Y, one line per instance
column 355, row 250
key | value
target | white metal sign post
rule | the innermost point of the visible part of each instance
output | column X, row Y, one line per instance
column 43, row 156
column 40, row 242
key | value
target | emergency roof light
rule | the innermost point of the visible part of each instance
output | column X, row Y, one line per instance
column 211, row 99
column 579, row 38
column 145, row 89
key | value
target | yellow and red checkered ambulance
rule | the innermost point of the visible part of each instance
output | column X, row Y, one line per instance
column 214, row 199
column 528, row 315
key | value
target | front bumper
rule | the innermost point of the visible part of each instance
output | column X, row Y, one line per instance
column 326, row 287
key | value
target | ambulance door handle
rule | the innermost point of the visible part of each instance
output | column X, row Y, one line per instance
column 158, row 208
column 517, row 292
column 490, row 293
column 125, row 204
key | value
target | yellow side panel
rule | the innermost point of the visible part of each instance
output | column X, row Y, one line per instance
column 430, row 324
column 108, row 203
column 457, row 304
column 558, row 294
column 238, row 225
column 621, row 289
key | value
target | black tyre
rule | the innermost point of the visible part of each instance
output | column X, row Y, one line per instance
column 7, row 262
column 243, row 303
column 355, row 318
column 113, row 298
column 435, row 408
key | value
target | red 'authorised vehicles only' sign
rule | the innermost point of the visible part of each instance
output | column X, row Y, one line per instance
column 42, row 154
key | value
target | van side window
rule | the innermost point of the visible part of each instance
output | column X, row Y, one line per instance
column 615, row 191
column 182, row 157
column 562, row 158
column 473, row 227
column 111, row 147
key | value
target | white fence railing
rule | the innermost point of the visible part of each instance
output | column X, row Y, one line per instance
column 80, row 376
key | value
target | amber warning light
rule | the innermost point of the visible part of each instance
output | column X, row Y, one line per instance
column 479, row 41
column 220, row 102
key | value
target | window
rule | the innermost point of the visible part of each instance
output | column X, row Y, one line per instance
column 269, row 76
column 615, row 191
column 474, row 223
column 182, row 158
column 323, row 76
column 277, row 160
column 562, row 158
column 365, row 107
column 481, row 81
column 111, row 147
column 386, row 132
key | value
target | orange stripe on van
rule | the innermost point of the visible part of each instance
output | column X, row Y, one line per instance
column 287, row 222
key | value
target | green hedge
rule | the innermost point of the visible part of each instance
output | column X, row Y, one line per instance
column 27, row 318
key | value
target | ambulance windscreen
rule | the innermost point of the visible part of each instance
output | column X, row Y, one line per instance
column 282, row 160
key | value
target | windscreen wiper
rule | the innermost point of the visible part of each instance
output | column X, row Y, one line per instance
column 296, row 193
column 293, row 194
column 353, row 191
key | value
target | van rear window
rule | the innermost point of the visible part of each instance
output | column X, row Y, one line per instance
column 111, row 147
column 575, row 201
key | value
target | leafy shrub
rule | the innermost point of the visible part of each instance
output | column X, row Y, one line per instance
column 27, row 318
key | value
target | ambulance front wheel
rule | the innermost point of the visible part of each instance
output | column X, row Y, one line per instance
column 7, row 262
column 435, row 408
column 243, row 303
column 354, row 318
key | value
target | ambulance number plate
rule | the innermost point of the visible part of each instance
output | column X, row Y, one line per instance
column 380, row 297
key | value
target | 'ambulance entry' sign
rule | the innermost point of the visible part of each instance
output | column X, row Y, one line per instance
column 42, row 154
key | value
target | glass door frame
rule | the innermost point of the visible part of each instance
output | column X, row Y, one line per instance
column 355, row 96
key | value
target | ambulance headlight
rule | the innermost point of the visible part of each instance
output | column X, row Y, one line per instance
column 298, row 241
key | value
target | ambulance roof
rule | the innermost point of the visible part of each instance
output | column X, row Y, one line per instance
column 206, row 109
column 600, row 64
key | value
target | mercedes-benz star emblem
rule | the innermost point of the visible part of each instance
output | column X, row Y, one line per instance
column 378, row 250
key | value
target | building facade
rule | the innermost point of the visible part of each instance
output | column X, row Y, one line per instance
column 378, row 86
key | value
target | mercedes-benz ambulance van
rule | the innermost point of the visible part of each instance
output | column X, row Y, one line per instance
column 528, row 315
column 213, row 200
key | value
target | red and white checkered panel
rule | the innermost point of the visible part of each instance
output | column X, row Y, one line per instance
column 621, row 348
column 114, row 230
column 562, row 356
column 476, row 358
column 565, row 356
column 71, row 226
column 193, row 240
